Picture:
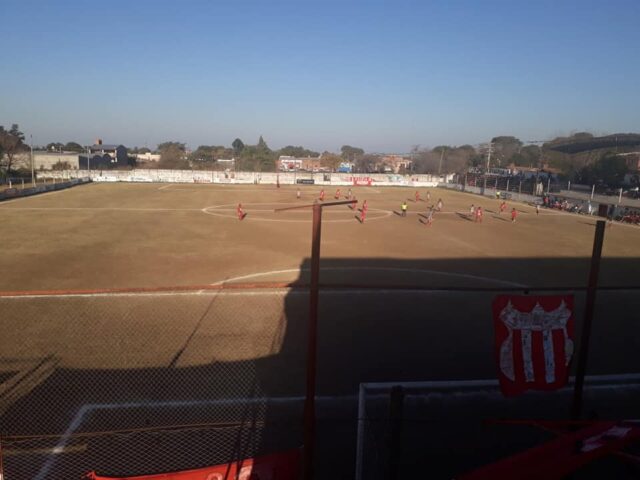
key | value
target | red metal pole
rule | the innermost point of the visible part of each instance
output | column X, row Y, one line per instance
column 592, row 288
column 312, row 345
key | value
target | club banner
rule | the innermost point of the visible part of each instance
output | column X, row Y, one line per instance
column 362, row 180
column 278, row 466
column 533, row 341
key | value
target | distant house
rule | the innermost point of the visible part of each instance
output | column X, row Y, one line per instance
column 148, row 157
column 307, row 164
column 632, row 159
column 394, row 163
column 105, row 156
column 226, row 163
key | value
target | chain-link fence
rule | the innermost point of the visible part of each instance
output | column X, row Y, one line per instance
column 132, row 382
column 449, row 428
column 526, row 189
column 444, row 427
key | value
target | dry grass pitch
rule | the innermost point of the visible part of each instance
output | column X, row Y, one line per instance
column 62, row 355
column 145, row 235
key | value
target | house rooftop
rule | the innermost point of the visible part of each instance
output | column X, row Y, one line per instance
column 105, row 147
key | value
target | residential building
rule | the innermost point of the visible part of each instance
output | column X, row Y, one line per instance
column 227, row 163
column 632, row 159
column 394, row 163
column 308, row 164
column 105, row 156
column 147, row 157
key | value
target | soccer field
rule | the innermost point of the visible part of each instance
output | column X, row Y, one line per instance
column 146, row 235
column 112, row 325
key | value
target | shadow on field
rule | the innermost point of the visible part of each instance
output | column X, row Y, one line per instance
column 188, row 375
column 464, row 216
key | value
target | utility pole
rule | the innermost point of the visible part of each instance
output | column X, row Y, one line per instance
column 489, row 156
column 33, row 174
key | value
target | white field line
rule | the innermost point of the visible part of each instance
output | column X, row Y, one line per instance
column 115, row 209
column 86, row 409
column 607, row 381
column 284, row 290
column 381, row 269
column 465, row 388
column 254, row 293
column 340, row 399
column 250, row 187
column 232, row 207
column 62, row 443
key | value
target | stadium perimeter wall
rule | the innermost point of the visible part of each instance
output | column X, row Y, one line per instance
column 11, row 193
column 266, row 178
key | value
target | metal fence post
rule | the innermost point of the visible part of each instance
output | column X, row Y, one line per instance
column 312, row 334
column 312, row 345
column 395, row 434
column 592, row 288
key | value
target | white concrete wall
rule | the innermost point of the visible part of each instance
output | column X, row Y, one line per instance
column 285, row 178
column 47, row 160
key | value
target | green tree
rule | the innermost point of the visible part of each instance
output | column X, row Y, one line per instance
column 258, row 157
column 504, row 148
column 55, row 146
column 205, row 156
column 366, row 163
column 238, row 146
column 611, row 169
column 264, row 159
column 299, row 152
column 351, row 153
column 330, row 161
column 530, row 156
column 173, row 156
column 175, row 145
column 73, row 147
column 11, row 143
column 204, row 153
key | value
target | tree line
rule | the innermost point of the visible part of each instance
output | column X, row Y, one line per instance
column 600, row 164
column 258, row 157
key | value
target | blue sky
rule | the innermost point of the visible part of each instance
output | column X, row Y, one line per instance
column 382, row 75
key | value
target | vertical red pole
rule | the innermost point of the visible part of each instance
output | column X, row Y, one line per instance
column 312, row 345
column 592, row 288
